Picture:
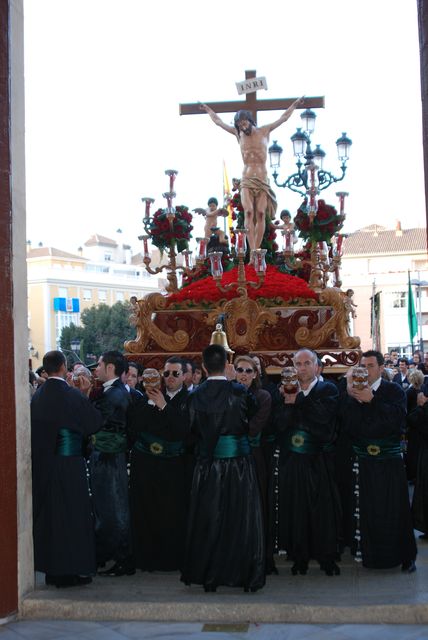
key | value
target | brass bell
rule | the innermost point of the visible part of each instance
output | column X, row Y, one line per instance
column 219, row 337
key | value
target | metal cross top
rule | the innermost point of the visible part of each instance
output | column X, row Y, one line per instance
column 251, row 103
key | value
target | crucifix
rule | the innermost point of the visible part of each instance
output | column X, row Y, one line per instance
column 251, row 103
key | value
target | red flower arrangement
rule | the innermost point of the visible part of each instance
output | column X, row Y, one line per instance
column 162, row 233
column 325, row 224
column 276, row 285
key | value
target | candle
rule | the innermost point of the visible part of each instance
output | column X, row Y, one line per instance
column 202, row 251
column 172, row 175
column 259, row 260
column 241, row 241
column 148, row 202
column 216, row 265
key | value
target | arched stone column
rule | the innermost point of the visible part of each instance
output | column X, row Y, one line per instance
column 16, row 564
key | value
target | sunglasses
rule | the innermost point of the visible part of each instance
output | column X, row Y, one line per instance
column 242, row 370
column 166, row 374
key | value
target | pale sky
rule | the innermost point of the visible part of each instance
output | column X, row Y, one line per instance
column 104, row 80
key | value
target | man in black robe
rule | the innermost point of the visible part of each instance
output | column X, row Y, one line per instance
column 374, row 419
column 61, row 420
column 308, row 508
column 417, row 422
column 108, row 468
column 159, row 485
column 225, row 537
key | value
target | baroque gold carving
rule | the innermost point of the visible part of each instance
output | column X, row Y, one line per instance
column 343, row 308
column 244, row 319
column 146, row 328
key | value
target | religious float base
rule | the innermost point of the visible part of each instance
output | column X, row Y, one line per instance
column 358, row 595
column 272, row 319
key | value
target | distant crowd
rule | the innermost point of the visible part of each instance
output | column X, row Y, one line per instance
column 213, row 469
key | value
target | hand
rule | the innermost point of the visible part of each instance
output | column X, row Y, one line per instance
column 84, row 384
column 204, row 107
column 421, row 399
column 289, row 398
column 156, row 396
column 230, row 372
column 365, row 395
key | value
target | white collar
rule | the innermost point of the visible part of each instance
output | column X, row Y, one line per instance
column 109, row 383
column 307, row 391
column 376, row 384
column 216, row 378
column 57, row 378
column 171, row 394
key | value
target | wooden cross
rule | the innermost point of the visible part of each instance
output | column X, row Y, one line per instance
column 251, row 103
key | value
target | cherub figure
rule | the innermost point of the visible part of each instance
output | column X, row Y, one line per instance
column 211, row 214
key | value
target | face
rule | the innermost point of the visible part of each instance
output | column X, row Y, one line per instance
column 306, row 367
column 245, row 126
column 132, row 378
column 188, row 375
column 402, row 367
column 212, row 206
column 394, row 356
column 374, row 369
column 196, row 378
column 173, row 376
column 258, row 364
column 416, row 358
column 101, row 372
column 245, row 373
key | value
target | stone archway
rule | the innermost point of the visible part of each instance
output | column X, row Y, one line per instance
column 16, row 565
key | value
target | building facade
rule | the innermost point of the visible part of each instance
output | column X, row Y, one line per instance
column 379, row 261
column 61, row 285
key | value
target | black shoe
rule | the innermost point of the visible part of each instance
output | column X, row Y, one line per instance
column 67, row 581
column 409, row 566
column 118, row 570
column 299, row 567
column 330, row 568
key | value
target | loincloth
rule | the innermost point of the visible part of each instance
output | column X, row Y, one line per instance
column 256, row 186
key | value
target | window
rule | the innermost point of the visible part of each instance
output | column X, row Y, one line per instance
column 119, row 296
column 398, row 299
column 107, row 257
column 87, row 294
column 102, row 295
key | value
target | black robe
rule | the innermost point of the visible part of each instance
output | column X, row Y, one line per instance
column 308, row 512
column 225, row 538
column 385, row 522
column 63, row 524
column 159, row 482
column 109, row 476
column 417, row 422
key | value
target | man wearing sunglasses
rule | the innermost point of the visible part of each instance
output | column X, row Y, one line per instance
column 159, row 476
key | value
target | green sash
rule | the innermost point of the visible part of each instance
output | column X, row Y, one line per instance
column 109, row 442
column 231, row 447
column 377, row 449
column 155, row 446
column 255, row 440
column 302, row 442
column 69, row 443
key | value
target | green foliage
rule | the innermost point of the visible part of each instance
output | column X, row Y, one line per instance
column 104, row 328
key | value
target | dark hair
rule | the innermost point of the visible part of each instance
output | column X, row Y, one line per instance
column 137, row 366
column 406, row 362
column 213, row 201
column 215, row 358
column 117, row 359
column 187, row 361
column 53, row 361
column 40, row 370
column 284, row 213
column 176, row 360
column 371, row 353
column 243, row 114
